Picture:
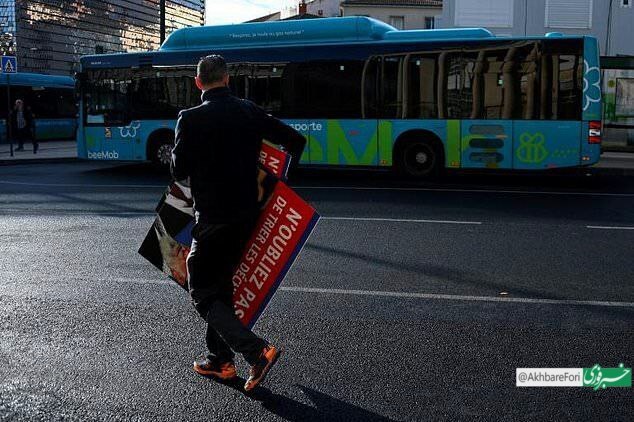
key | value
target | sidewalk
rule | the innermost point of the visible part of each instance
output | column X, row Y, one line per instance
column 48, row 151
column 617, row 163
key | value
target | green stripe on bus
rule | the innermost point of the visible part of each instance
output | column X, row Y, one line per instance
column 453, row 143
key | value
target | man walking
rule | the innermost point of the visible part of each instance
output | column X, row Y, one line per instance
column 217, row 148
column 23, row 125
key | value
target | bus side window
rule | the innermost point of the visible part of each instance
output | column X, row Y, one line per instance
column 492, row 74
column 392, row 77
column 460, row 73
column 422, row 76
column 239, row 75
column 265, row 86
column 294, row 91
column 569, row 101
column 370, row 88
column 334, row 88
column 529, row 81
column 561, row 80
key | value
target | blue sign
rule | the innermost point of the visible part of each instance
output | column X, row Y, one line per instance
column 9, row 64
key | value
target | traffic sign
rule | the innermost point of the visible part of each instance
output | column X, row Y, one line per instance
column 9, row 64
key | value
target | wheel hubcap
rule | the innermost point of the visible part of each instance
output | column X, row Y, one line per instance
column 164, row 154
column 421, row 158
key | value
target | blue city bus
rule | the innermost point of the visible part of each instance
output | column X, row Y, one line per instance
column 364, row 94
column 51, row 99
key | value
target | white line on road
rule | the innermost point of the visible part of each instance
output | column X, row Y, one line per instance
column 377, row 293
column 353, row 188
column 523, row 192
column 610, row 227
column 433, row 296
column 400, row 220
column 80, row 185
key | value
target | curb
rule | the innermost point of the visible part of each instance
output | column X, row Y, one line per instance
column 29, row 161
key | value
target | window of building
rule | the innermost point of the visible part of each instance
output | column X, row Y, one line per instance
column 569, row 14
column 397, row 22
column 626, row 3
column 430, row 22
column 490, row 13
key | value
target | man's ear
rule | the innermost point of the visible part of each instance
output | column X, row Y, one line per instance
column 199, row 84
column 226, row 80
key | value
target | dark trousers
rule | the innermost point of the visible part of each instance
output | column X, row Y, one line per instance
column 214, row 255
column 23, row 135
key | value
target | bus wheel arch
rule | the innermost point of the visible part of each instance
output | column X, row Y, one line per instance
column 159, row 147
column 419, row 154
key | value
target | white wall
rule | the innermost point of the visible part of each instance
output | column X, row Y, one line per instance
column 414, row 16
column 329, row 8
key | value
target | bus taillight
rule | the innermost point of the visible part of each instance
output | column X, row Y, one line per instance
column 594, row 132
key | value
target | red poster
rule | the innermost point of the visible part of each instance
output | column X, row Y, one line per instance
column 282, row 228
column 275, row 161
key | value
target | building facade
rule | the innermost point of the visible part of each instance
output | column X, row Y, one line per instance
column 607, row 20
column 401, row 14
column 324, row 8
column 49, row 36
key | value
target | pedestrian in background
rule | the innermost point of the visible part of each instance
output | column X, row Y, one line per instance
column 23, row 126
column 217, row 148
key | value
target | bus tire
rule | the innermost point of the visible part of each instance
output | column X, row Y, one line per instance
column 418, row 159
column 160, row 149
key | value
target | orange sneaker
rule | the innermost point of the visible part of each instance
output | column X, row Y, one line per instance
column 258, row 372
column 211, row 367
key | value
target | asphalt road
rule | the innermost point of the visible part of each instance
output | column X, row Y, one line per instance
column 411, row 301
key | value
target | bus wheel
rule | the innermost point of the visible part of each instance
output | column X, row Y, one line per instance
column 418, row 159
column 160, row 152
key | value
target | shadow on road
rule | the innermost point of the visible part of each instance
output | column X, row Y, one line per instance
column 325, row 406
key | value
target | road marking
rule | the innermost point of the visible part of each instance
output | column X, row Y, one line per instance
column 377, row 293
column 400, row 220
column 610, row 227
column 524, row 192
column 81, row 185
column 17, row 212
column 359, row 188
column 433, row 296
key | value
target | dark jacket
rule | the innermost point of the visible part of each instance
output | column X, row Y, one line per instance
column 218, row 145
column 28, row 118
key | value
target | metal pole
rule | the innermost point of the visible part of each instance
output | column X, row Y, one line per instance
column 162, row 20
column 608, row 32
column 9, row 115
